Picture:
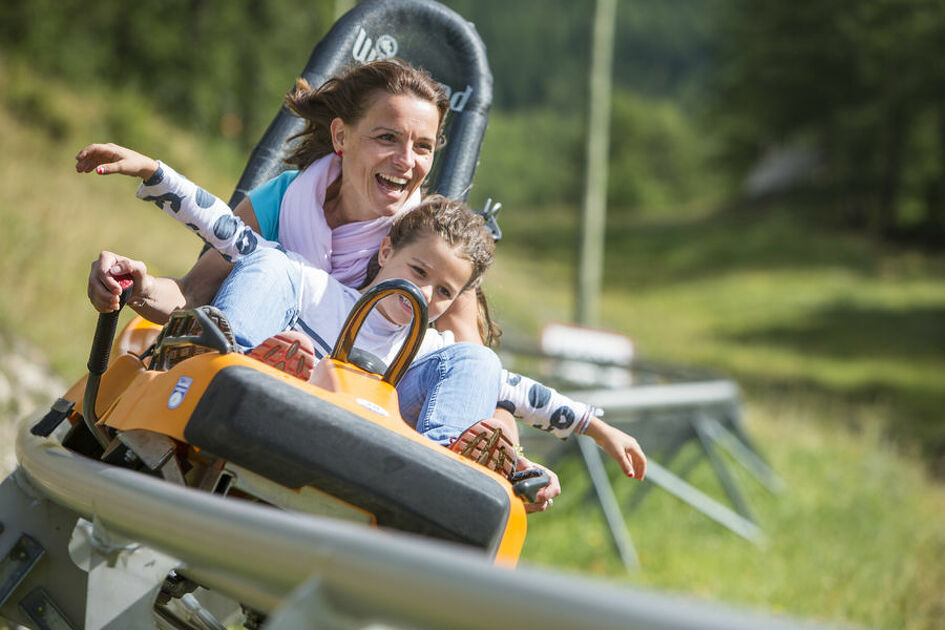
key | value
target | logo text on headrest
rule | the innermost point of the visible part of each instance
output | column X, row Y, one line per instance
column 458, row 98
column 367, row 50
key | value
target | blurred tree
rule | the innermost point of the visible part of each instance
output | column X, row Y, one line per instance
column 219, row 66
column 539, row 50
column 857, row 81
column 657, row 157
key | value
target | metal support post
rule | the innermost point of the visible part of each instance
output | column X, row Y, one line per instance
column 608, row 502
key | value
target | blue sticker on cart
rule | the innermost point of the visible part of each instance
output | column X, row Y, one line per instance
column 180, row 390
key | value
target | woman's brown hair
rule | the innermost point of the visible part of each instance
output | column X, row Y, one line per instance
column 348, row 95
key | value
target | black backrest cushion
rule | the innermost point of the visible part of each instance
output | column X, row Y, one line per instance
column 424, row 33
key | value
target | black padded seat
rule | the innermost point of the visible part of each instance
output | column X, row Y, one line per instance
column 295, row 439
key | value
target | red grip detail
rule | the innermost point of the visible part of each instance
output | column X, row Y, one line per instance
column 125, row 281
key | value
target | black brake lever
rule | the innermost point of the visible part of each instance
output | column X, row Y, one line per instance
column 528, row 483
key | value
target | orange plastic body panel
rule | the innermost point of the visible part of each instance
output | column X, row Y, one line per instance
column 136, row 337
column 134, row 398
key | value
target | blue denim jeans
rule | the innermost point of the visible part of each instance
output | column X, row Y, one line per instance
column 441, row 394
column 260, row 296
column 447, row 391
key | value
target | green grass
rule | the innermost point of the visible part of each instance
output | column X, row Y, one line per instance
column 782, row 307
column 836, row 341
column 56, row 221
column 854, row 537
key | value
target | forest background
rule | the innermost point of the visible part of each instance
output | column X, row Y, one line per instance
column 776, row 211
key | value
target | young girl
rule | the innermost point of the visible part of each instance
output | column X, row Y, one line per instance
column 441, row 246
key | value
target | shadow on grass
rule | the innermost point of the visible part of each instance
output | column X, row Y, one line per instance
column 853, row 333
column 910, row 416
column 654, row 252
column 669, row 252
column 847, row 331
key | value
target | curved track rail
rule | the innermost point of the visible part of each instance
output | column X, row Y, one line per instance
column 266, row 557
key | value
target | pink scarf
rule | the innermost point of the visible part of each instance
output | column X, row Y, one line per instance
column 343, row 252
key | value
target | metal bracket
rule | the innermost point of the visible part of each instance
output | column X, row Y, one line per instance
column 608, row 502
column 43, row 611
column 59, row 411
column 17, row 564
column 309, row 606
column 125, row 576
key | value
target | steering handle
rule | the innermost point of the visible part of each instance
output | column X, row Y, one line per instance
column 98, row 359
column 362, row 308
column 105, row 329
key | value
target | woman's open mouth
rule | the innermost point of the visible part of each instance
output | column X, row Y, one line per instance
column 391, row 183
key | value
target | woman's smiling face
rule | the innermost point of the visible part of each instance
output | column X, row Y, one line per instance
column 385, row 155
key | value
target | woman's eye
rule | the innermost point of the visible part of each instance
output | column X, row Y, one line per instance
column 387, row 137
column 445, row 292
column 424, row 147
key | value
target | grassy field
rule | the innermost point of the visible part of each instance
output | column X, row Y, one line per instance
column 837, row 342
column 839, row 347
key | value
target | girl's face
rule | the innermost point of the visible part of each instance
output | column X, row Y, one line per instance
column 385, row 156
column 436, row 268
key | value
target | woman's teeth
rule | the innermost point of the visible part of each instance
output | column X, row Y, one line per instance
column 392, row 183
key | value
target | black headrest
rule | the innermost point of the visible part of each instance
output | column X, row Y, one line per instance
column 424, row 33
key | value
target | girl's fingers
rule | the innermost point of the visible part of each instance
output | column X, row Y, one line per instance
column 638, row 463
column 641, row 467
column 105, row 169
column 103, row 287
column 101, row 158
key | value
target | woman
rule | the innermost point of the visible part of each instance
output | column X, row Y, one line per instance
column 368, row 144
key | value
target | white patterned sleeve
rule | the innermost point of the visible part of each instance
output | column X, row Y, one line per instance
column 543, row 407
column 208, row 216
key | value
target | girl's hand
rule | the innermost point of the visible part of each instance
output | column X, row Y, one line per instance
column 106, row 159
column 104, row 290
column 544, row 496
column 623, row 448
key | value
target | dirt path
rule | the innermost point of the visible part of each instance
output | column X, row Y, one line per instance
column 26, row 385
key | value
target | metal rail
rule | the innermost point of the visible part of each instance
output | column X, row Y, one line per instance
column 264, row 556
column 661, row 396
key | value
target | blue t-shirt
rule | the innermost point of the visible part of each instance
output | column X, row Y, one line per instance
column 267, row 199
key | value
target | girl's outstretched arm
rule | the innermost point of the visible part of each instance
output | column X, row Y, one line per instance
column 106, row 159
column 153, row 298
column 624, row 449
